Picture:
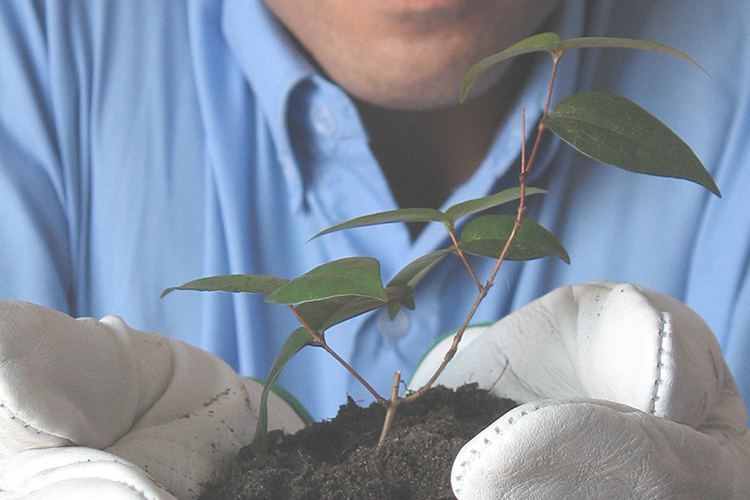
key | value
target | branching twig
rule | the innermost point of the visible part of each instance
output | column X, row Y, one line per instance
column 484, row 289
column 390, row 411
column 462, row 256
column 319, row 340
column 392, row 403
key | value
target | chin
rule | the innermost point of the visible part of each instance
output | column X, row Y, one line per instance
column 432, row 92
column 409, row 101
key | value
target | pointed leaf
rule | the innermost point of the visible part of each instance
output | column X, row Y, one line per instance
column 395, row 306
column 316, row 314
column 543, row 42
column 623, row 43
column 413, row 272
column 396, row 294
column 615, row 130
column 248, row 283
column 477, row 205
column 358, row 276
column 399, row 215
column 487, row 235
column 298, row 339
column 323, row 314
column 550, row 42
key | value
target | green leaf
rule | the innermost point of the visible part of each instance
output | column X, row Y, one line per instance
column 623, row 43
column 298, row 339
column 248, row 283
column 543, row 42
column 323, row 314
column 395, row 306
column 289, row 399
column 356, row 276
column 477, row 205
column 550, row 42
column 317, row 314
column 399, row 215
column 396, row 295
column 487, row 235
column 615, row 130
column 413, row 272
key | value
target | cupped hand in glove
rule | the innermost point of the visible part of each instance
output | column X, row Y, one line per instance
column 95, row 409
column 625, row 395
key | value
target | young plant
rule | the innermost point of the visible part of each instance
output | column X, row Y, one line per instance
column 603, row 126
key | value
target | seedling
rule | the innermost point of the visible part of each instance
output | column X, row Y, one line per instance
column 603, row 126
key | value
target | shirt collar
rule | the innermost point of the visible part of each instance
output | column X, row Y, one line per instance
column 273, row 67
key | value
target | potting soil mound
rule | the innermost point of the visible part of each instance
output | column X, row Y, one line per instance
column 337, row 459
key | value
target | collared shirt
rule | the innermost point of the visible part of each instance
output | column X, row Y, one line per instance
column 145, row 144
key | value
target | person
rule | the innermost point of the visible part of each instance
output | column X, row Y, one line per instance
column 628, row 397
column 148, row 144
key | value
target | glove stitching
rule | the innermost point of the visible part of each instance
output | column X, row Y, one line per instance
column 665, row 330
column 476, row 454
column 26, row 425
column 140, row 491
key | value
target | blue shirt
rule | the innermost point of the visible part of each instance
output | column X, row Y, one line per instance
column 144, row 144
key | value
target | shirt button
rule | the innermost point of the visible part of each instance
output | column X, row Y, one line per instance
column 393, row 330
column 322, row 119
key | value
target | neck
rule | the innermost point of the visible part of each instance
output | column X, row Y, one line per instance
column 426, row 154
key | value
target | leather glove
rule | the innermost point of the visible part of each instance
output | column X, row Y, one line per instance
column 95, row 409
column 625, row 395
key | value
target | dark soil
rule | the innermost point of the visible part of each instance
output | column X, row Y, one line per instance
column 337, row 459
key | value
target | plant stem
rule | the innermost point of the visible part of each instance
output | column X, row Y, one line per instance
column 484, row 289
column 460, row 253
column 454, row 346
column 380, row 399
column 392, row 404
column 527, row 168
column 319, row 340
column 390, row 411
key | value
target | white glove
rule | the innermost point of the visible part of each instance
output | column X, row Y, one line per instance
column 627, row 396
column 95, row 409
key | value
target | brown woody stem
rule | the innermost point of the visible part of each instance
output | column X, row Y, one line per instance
column 484, row 289
column 319, row 341
column 390, row 411
column 392, row 404
column 461, row 254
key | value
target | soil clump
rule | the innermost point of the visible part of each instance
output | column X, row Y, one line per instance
column 337, row 459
